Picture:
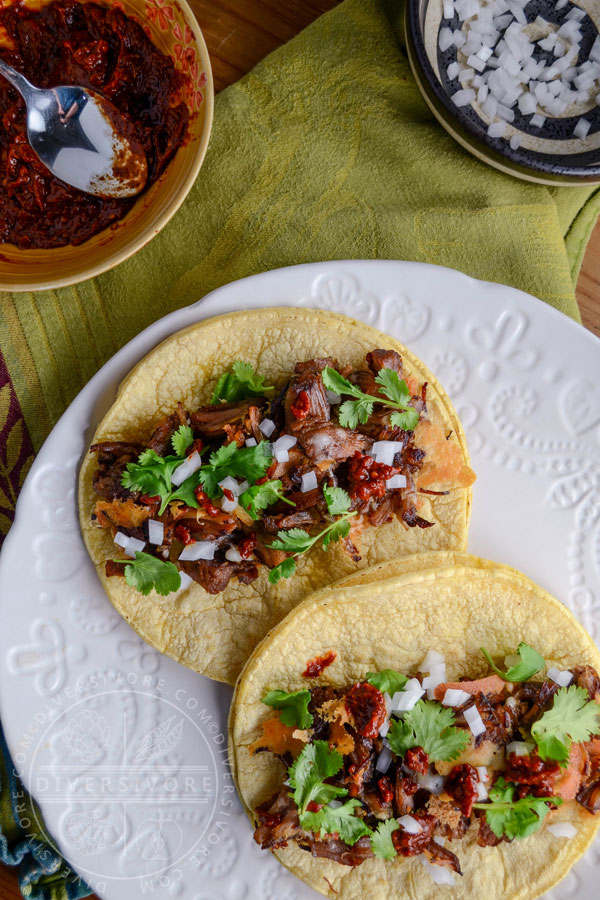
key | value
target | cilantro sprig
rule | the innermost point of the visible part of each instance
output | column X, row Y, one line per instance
column 260, row 496
column 146, row 573
column 250, row 463
column 381, row 839
column 388, row 681
column 151, row 475
column 514, row 819
column 307, row 776
column 530, row 663
column 430, row 726
column 293, row 707
column 239, row 384
column 573, row 717
column 393, row 392
column 298, row 541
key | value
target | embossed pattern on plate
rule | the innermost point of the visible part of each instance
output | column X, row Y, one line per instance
column 124, row 749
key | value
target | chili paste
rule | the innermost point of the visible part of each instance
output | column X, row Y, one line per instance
column 94, row 47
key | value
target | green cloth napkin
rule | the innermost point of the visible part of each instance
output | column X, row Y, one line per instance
column 325, row 151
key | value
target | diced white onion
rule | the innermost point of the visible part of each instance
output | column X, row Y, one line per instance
column 185, row 580
column 482, row 793
column 519, row 748
column 334, row 399
column 562, row 678
column 384, row 760
column 233, row 554
column 482, row 772
column 130, row 545
column 198, row 550
column 455, row 697
column 413, row 684
column 187, row 468
column 285, row 442
column 439, row 874
column 496, row 129
column 385, row 451
column 474, row 721
column 582, row 128
column 282, row 455
column 445, row 39
column 309, row 482
column 433, row 658
column 537, row 121
column 515, row 141
column 385, row 727
column 403, row 701
column 432, row 783
column 267, row 426
column 228, row 505
column 156, row 532
column 448, row 7
column 334, row 804
column 410, row 825
column 250, row 442
column 453, row 70
column 562, row 830
column 230, row 484
column 388, row 702
column 396, row 482
column 463, row 98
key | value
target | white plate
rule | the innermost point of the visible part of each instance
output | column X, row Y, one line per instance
column 123, row 748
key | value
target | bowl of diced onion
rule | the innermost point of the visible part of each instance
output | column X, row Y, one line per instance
column 516, row 82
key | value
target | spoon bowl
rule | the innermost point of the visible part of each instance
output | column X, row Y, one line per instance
column 82, row 138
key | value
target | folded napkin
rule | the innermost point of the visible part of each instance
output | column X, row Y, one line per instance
column 324, row 151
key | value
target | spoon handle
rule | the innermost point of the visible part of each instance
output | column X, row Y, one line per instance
column 18, row 81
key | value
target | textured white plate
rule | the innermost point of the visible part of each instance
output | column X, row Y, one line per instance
column 124, row 749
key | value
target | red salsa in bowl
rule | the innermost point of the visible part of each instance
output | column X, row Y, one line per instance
column 66, row 42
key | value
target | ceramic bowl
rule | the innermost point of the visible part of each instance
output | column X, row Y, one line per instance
column 172, row 27
column 547, row 155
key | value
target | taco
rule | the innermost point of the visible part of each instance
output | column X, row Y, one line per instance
column 437, row 727
column 255, row 457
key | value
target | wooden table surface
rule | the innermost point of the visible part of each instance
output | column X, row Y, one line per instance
column 239, row 33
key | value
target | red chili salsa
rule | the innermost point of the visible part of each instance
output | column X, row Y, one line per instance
column 88, row 45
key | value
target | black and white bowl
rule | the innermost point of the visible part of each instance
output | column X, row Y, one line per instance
column 565, row 149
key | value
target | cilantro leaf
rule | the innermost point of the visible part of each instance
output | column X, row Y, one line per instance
column 381, row 839
column 531, row 662
column 335, row 382
column 514, row 819
column 242, row 382
column 392, row 386
column 262, row 495
column 285, row 569
column 430, row 726
column 337, row 820
column 294, row 707
column 307, row 775
column 181, row 439
column 354, row 411
column 406, row 420
column 151, row 475
column 337, row 500
column 339, row 529
column 388, row 681
column 250, row 463
column 572, row 717
column 295, row 540
column 146, row 572
column 395, row 394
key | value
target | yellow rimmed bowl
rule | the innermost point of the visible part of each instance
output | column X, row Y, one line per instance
column 172, row 27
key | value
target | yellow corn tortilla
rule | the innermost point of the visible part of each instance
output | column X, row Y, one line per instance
column 450, row 602
column 215, row 634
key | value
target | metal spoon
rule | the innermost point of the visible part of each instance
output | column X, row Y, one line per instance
column 82, row 138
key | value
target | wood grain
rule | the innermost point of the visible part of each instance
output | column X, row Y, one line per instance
column 239, row 33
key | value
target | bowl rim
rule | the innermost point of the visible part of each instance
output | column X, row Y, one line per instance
column 438, row 101
column 115, row 259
